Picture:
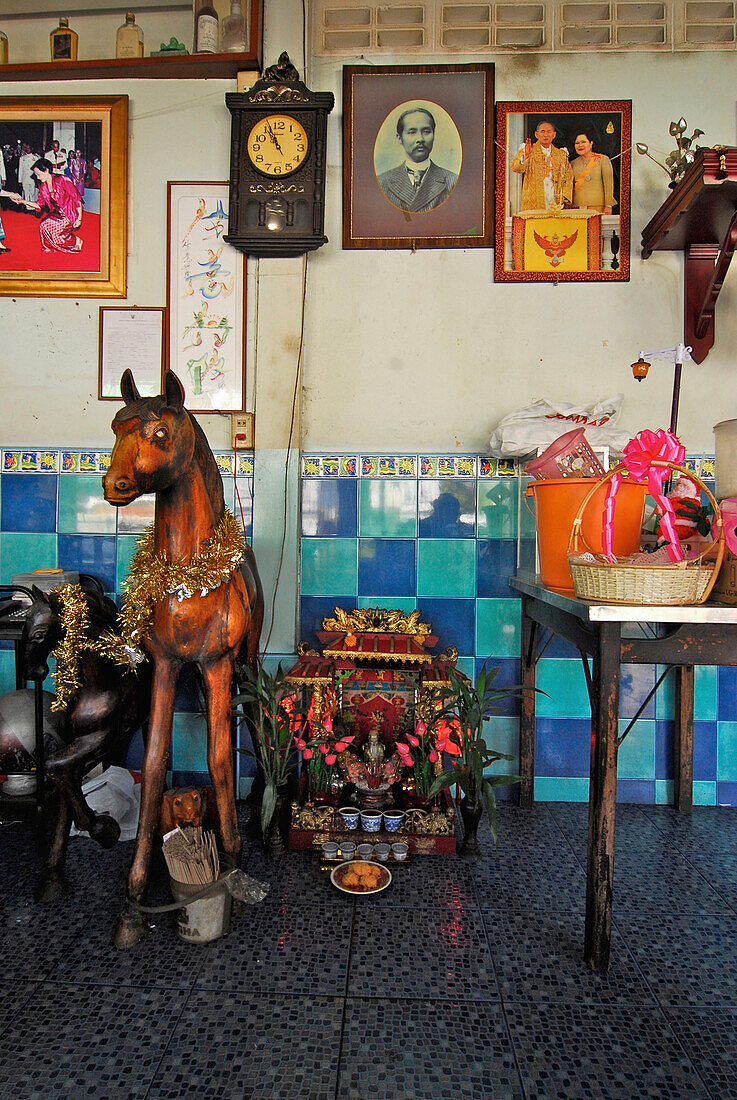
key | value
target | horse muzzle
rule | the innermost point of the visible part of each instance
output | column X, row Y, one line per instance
column 119, row 490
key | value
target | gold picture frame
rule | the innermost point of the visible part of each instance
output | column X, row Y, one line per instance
column 98, row 127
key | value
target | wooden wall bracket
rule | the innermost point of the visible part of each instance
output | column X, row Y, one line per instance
column 700, row 219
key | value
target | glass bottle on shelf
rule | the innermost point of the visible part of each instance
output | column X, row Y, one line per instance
column 234, row 38
column 129, row 38
column 64, row 42
column 206, row 29
column 3, row 48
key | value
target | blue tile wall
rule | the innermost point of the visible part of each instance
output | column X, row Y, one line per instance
column 53, row 515
column 439, row 533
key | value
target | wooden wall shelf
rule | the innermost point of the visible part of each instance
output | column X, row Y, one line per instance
column 197, row 66
column 700, row 219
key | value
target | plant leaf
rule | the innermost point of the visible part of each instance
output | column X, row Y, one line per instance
column 487, row 793
column 268, row 804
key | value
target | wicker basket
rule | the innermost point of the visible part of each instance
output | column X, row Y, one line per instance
column 680, row 582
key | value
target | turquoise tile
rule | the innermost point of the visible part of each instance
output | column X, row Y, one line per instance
column 704, row 794
column 387, row 509
column 727, row 752
column 498, row 628
column 83, row 509
column 496, row 512
column 527, row 524
column 563, row 681
column 705, row 693
column 7, row 671
column 467, row 665
column 329, row 566
column 664, row 699
column 189, row 743
column 637, row 751
column 22, row 552
column 553, row 789
column 446, row 567
column 405, row 604
column 664, row 792
column 125, row 548
column 502, row 735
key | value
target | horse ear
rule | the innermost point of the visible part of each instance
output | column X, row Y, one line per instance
column 128, row 388
column 174, row 391
column 38, row 595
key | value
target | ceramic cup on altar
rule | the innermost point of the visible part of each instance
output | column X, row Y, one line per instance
column 393, row 820
column 400, row 850
column 349, row 817
column 347, row 849
column 365, row 851
column 371, row 820
column 330, row 849
column 382, row 852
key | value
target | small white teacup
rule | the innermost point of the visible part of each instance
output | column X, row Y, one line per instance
column 365, row 851
column 382, row 851
column 400, row 850
column 330, row 849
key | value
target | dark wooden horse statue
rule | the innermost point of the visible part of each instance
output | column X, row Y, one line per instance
column 160, row 448
column 98, row 722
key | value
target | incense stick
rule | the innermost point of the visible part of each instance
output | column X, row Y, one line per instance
column 191, row 856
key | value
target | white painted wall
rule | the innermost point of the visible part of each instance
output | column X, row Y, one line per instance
column 402, row 351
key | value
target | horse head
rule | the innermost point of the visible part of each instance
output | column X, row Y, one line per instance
column 41, row 635
column 155, row 440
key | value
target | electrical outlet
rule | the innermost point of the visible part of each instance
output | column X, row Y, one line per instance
column 242, row 431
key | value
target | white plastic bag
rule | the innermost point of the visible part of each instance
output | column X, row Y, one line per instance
column 522, row 432
column 114, row 792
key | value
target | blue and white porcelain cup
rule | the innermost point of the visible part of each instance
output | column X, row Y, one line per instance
column 371, row 820
column 349, row 816
column 393, row 820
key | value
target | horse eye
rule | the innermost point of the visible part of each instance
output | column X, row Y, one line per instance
column 160, row 433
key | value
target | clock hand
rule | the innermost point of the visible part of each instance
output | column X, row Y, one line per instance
column 272, row 135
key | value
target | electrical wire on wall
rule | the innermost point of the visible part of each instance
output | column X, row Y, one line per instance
column 290, row 440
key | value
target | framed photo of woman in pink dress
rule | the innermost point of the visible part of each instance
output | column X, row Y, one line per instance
column 63, row 196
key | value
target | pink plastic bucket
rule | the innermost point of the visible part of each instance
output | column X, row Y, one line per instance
column 567, row 456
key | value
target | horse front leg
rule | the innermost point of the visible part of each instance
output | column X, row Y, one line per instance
column 218, row 679
column 65, row 768
column 131, row 927
column 52, row 883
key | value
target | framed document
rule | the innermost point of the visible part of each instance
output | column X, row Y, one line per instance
column 131, row 338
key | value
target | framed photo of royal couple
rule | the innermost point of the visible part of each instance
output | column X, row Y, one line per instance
column 417, row 155
column 563, row 191
column 63, row 196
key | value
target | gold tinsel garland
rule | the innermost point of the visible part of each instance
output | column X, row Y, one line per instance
column 152, row 578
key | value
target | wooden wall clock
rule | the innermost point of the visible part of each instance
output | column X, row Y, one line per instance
column 277, row 165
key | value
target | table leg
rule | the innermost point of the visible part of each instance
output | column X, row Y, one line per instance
column 683, row 742
column 602, row 798
column 527, row 711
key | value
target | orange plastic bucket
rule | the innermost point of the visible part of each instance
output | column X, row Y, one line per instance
column 557, row 501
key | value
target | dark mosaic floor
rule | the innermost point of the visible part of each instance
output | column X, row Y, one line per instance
column 459, row 982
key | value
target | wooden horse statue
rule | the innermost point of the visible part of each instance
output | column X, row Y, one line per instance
column 103, row 706
column 194, row 595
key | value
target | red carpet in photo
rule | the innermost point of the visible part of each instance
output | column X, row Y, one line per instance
column 23, row 238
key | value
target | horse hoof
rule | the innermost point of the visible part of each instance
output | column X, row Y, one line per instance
column 130, row 931
column 52, row 886
column 105, row 830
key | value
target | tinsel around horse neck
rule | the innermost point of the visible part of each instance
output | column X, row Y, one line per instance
column 152, row 578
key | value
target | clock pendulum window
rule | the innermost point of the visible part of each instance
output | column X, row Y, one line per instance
column 277, row 166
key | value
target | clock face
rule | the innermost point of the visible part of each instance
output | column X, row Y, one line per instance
column 277, row 145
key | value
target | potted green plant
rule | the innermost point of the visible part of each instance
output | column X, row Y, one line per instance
column 460, row 731
column 275, row 715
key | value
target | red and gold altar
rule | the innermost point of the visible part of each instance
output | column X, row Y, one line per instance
column 374, row 686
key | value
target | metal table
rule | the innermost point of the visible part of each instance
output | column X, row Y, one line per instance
column 613, row 635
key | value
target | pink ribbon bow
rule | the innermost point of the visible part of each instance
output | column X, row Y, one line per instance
column 638, row 458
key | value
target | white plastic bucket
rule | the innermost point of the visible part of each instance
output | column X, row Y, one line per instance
column 207, row 919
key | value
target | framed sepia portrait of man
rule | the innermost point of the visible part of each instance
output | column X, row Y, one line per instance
column 563, row 191
column 418, row 164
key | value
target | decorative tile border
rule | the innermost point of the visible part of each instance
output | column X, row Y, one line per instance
column 95, row 462
column 440, row 466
